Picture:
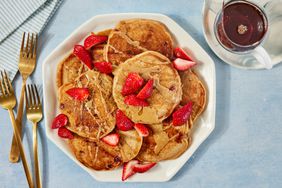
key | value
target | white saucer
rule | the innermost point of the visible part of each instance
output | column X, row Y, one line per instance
column 273, row 42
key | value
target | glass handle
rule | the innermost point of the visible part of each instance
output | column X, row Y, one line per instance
column 214, row 5
column 268, row 4
column 272, row 9
column 262, row 57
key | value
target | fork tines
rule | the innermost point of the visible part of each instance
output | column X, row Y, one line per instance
column 32, row 96
column 29, row 45
column 5, row 84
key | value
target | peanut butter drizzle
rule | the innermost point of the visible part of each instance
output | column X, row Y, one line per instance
column 81, row 68
column 81, row 110
column 96, row 153
column 89, row 150
column 103, row 122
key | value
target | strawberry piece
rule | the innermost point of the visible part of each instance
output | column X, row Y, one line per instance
column 132, row 83
column 181, row 115
column 141, row 168
column 147, row 90
column 127, row 170
column 141, row 129
column 83, row 55
column 65, row 133
column 93, row 40
column 59, row 121
column 80, row 94
column 182, row 64
column 134, row 101
column 180, row 53
column 123, row 122
column 104, row 67
column 111, row 139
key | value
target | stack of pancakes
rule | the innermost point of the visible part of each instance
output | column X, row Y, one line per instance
column 144, row 47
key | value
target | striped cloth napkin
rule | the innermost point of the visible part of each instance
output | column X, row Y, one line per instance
column 16, row 17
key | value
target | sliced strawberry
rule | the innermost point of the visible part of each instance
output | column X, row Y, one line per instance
column 141, row 129
column 59, row 121
column 134, row 101
column 132, row 83
column 147, row 90
column 104, row 67
column 141, row 168
column 83, row 55
column 65, row 133
column 180, row 53
column 123, row 122
column 127, row 170
column 80, row 94
column 111, row 139
column 181, row 115
column 93, row 40
column 182, row 64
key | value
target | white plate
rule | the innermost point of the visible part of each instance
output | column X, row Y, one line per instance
column 164, row 171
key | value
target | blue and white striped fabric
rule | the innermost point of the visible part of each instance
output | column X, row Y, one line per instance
column 16, row 17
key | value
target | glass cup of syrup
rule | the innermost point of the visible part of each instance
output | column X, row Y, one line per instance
column 241, row 27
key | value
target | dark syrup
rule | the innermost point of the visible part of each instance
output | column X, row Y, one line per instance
column 244, row 24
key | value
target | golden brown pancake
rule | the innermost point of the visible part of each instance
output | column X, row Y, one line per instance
column 100, row 156
column 165, row 142
column 71, row 67
column 193, row 90
column 95, row 117
column 167, row 91
column 160, row 145
column 94, row 155
column 120, row 48
column 130, row 144
column 150, row 34
column 135, row 36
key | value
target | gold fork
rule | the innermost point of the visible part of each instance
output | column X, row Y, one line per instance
column 34, row 114
column 8, row 102
column 27, row 63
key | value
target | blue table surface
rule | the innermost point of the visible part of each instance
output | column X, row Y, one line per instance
column 244, row 150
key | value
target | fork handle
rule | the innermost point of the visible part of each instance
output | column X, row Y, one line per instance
column 14, row 152
column 35, row 155
column 18, row 139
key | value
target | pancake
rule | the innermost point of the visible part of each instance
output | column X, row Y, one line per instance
column 165, row 142
column 167, row 91
column 95, row 117
column 150, row 34
column 135, row 36
column 129, row 144
column 120, row 48
column 100, row 156
column 95, row 156
column 192, row 82
column 71, row 67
